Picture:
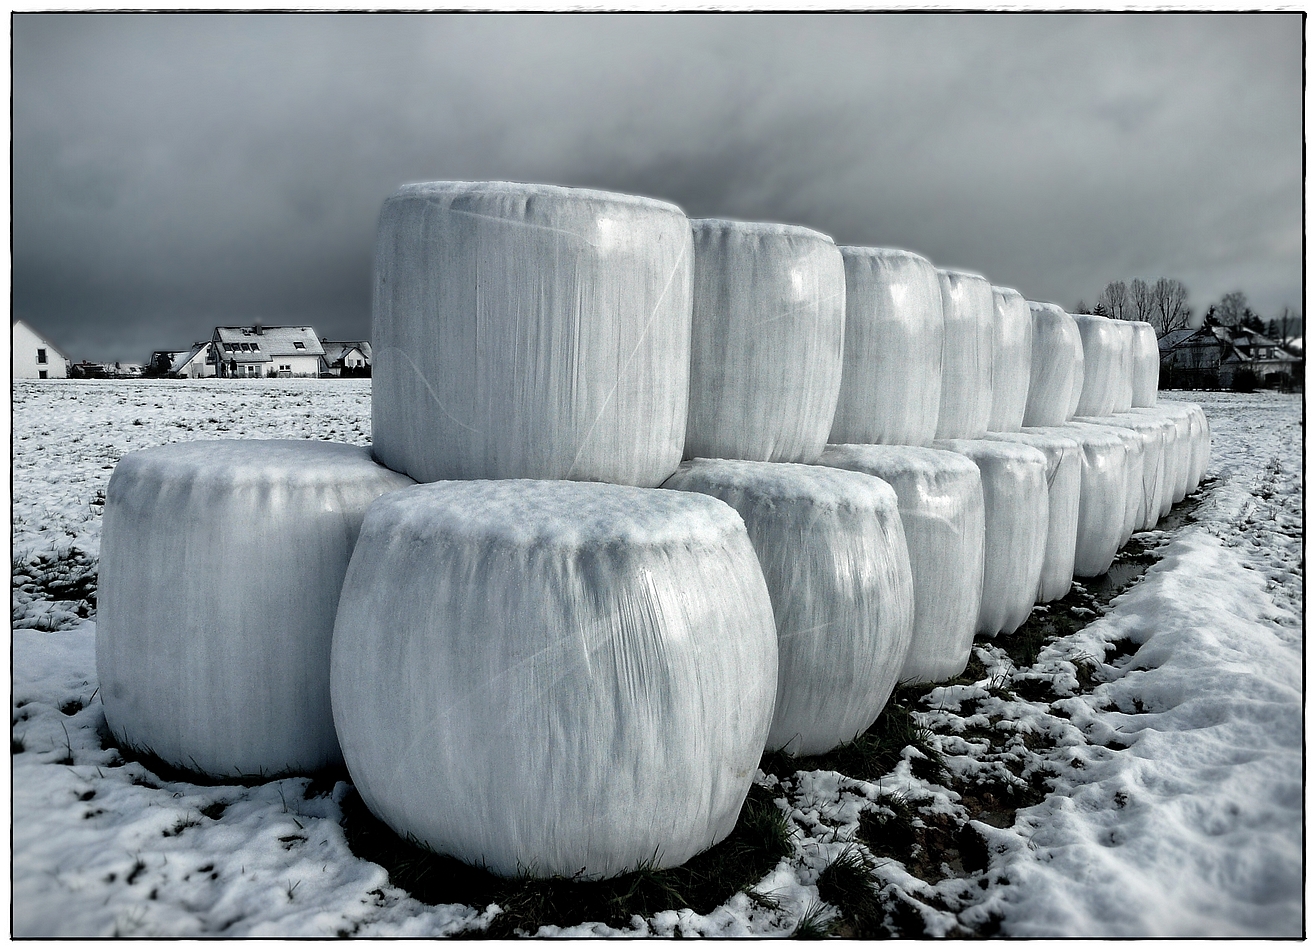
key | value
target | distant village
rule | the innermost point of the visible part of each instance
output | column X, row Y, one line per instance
column 231, row 353
column 1211, row 357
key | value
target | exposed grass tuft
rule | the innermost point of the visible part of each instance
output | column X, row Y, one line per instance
column 817, row 922
column 848, row 883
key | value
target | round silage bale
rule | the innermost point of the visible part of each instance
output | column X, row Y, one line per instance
column 894, row 331
column 767, row 341
column 834, row 555
column 220, row 570
column 553, row 677
column 1181, row 470
column 1201, row 446
column 530, row 331
column 966, row 356
column 941, row 507
column 1155, row 486
column 1015, row 528
column 1104, row 360
column 1137, row 444
column 1146, row 364
column 1012, row 357
column 1128, row 338
column 1063, row 486
column 1102, row 496
column 1056, row 366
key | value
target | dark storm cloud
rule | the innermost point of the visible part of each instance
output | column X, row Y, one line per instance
column 172, row 172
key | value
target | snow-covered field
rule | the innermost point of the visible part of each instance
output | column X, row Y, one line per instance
column 1169, row 749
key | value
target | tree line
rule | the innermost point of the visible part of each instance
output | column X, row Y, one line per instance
column 1164, row 304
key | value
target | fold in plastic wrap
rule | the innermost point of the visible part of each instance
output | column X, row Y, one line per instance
column 1056, row 365
column 1106, row 361
column 554, row 677
column 941, row 507
column 894, row 330
column 1146, row 364
column 221, row 565
column 966, row 356
column 767, row 341
column 1102, row 495
column 530, row 331
column 1136, row 445
column 1128, row 363
column 1063, row 486
column 1154, row 433
column 1015, row 504
column 1080, row 375
column 833, row 551
column 1012, row 358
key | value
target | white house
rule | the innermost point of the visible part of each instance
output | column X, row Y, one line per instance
column 193, row 363
column 265, row 351
column 352, row 356
column 35, row 357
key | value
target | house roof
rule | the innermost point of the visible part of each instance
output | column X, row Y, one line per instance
column 335, row 350
column 270, row 343
column 1175, row 337
column 50, row 346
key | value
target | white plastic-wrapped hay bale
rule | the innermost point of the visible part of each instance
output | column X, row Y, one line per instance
column 1178, row 452
column 1201, row 430
column 894, row 331
column 221, row 565
column 1155, row 487
column 1012, row 358
column 941, row 508
column 1128, row 340
column 1137, row 444
column 1056, row 366
column 966, row 356
column 833, row 552
column 1064, row 483
column 767, row 340
column 1102, row 496
column 1181, row 469
column 554, row 677
column 530, row 331
column 1146, row 364
column 1015, row 528
column 1105, row 359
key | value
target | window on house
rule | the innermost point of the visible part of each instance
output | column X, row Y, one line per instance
column 41, row 355
column 298, row 345
column 255, row 346
column 41, row 374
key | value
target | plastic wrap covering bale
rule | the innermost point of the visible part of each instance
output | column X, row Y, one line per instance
column 1124, row 373
column 1181, row 468
column 767, row 341
column 1015, row 506
column 1201, row 446
column 941, row 507
column 554, row 677
column 1146, row 364
column 1012, row 357
column 966, row 356
column 834, row 555
column 1102, row 495
column 1063, row 484
column 1056, row 365
column 1104, row 360
column 530, row 331
column 221, row 565
column 1137, row 445
column 1155, row 486
column 894, row 330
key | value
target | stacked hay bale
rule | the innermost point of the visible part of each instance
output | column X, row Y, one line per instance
column 882, row 458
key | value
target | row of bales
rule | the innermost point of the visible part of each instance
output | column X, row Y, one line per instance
column 646, row 497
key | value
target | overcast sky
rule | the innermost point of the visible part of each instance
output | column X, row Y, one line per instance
column 177, row 171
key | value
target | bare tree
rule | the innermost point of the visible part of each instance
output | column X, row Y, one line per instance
column 1170, row 305
column 1232, row 309
column 1287, row 325
column 1141, row 301
column 1114, row 301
